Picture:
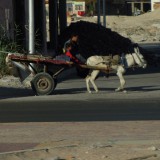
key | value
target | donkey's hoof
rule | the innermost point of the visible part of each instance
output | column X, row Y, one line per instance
column 124, row 91
column 117, row 90
column 120, row 90
column 89, row 92
column 96, row 91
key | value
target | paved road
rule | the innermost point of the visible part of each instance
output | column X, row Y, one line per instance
column 80, row 110
column 71, row 102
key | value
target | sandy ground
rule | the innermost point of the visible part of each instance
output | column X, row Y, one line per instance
column 129, row 140
column 142, row 28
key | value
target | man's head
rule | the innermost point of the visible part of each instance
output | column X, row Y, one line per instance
column 74, row 37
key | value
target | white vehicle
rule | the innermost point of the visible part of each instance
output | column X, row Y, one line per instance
column 76, row 8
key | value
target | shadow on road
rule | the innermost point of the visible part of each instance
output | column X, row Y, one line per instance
column 14, row 92
column 148, row 70
column 144, row 88
column 18, row 92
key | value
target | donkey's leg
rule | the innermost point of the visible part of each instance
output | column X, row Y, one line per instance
column 87, row 83
column 93, row 77
column 120, row 72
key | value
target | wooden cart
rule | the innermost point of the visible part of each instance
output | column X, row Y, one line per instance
column 45, row 70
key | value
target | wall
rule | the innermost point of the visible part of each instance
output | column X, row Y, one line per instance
column 6, row 12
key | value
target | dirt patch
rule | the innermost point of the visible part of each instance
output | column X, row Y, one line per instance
column 142, row 28
column 129, row 140
column 10, row 81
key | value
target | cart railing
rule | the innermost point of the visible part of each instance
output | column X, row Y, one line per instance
column 48, row 60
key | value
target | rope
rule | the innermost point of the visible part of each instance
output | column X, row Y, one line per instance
column 7, row 52
column 10, row 52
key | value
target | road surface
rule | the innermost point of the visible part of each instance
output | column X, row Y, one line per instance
column 102, row 124
column 71, row 102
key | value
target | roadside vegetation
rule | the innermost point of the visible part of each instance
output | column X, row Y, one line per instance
column 8, row 45
column 13, row 45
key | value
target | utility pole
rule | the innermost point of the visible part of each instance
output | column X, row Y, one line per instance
column 98, row 12
column 53, row 24
column 31, row 27
column 104, row 13
column 62, row 15
column 152, row 5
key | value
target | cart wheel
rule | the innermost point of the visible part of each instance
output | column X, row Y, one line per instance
column 43, row 84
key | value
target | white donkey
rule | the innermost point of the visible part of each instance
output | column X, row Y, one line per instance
column 127, row 61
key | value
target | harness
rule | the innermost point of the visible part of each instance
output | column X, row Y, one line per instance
column 123, row 61
column 125, row 64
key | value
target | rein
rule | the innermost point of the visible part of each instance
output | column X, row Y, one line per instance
column 123, row 61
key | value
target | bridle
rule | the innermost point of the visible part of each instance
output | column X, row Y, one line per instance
column 140, row 58
column 124, row 62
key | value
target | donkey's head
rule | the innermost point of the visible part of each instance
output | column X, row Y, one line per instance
column 135, row 57
column 139, row 58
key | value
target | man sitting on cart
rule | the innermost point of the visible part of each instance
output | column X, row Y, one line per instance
column 74, row 50
column 69, row 54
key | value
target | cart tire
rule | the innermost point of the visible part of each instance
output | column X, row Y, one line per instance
column 43, row 84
